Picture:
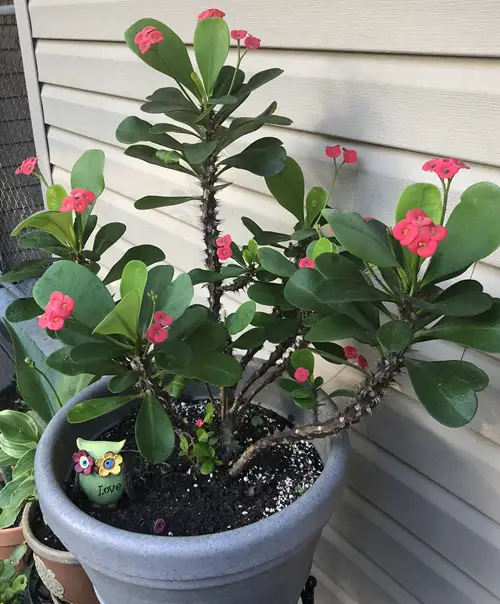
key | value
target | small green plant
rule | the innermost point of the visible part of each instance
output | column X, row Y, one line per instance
column 12, row 583
column 200, row 448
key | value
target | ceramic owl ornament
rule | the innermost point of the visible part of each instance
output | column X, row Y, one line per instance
column 100, row 470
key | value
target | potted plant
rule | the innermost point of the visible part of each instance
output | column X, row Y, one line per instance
column 13, row 581
column 191, row 447
column 20, row 434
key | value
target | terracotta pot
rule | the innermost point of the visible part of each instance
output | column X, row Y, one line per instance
column 60, row 572
column 9, row 539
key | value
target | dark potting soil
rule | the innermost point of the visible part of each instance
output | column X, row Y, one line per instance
column 44, row 533
column 191, row 504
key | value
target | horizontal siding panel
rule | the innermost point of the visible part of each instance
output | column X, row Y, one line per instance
column 414, row 565
column 380, row 99
column 434, row 515
column 372, row 187
column 356, row 25
column 461, row 461
column 364, row 581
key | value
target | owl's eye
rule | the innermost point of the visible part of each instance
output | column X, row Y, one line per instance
column 109, row 464
column 84, row 462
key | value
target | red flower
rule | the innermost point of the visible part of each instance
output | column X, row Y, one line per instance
column 155, row 37
column 43, row 320
column 424, row 245
column 156, row 334
column 437, row 232
column 144, row 46
column 302, row 374
column 143, row 35
column 251, row 42
column 224, row 253
column 238, row 34
column 55, row 322
column 79, row 206
column 61, row 305
column 362, row 362
column 418, row 217
column 350, row 156
column 27, row 166
column 67, row 204
column 224, row 241
column 162, row 319
column 405, row 232
column 211, row 12
column 147, row 38
column 84, row 462
column 333, row 152
column 445, row 167
column 84, row 195
column 306, row 263
column 199, row 423
column 350, row 353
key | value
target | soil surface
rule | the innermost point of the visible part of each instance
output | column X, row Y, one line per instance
column 187, row 503
column 44, row 533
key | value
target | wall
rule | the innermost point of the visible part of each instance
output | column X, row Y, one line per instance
column 400, row 81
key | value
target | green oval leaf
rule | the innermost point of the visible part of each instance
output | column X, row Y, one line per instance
column 303, row 358
column 123, row 319
column 395, row 336
column 211, row 47
column 54, row 196
column 134, row 278
column 107, row 236
column 420, row 196
column 274, row 262
column 88, row 173
column 149, row 254
column 337, row 291
column 214, row 368
column 339, row 327
column 20, row 428
column 22, row 309
column 359, row 238
column 265, row 157
column 178, row 296
column 253, row 338
column 97, row 407
column 58, row 224
column 315, row 203
column 300, row 291
column 154, row 432
column 447, row 389
column 134, row 130
column 242, row 318
column 288, row 188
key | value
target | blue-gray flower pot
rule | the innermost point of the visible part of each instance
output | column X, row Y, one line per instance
column 267, row 562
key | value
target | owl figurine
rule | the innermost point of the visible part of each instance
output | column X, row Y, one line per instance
column 100, row 470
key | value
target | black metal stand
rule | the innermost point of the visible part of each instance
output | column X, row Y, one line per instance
column 308, row 593
column 37, row 593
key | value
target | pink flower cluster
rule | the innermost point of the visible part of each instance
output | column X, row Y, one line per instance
column 445, row 167
column 58, row 309
column 351, row 354
column 147, row 38
column 306, row 263
column 302, row 374
column 211, row 12
column 77, row 201
column 200, row 423
column 224, row 251
column 28, row 165
column 157, row 333
column 348, row 155
column 251, row 42
column 419, row 233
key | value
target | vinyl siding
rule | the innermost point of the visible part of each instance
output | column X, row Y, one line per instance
column 399, row 81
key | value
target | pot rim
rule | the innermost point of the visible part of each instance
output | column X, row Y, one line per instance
column 13, row 535
column 291, row 521
column 39, row 548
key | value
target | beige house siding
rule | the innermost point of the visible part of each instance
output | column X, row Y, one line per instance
column 399, row 80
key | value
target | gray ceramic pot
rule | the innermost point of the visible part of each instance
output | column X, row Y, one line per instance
column 267, row 562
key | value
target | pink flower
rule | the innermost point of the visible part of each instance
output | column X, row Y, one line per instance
column 445, row 167
column 238, row 34
column 350, row 156
column 144, row 46
column 405, row 231
column 143, row 34
column 251, row 42
column 161, row 318
column 210, row 13
column 418, row 217
column 27, row 166
column 437, row 232
column 79, row 206
column 159, row 526
column 43, row 320
column 199, row 423
column 302, row 374
column 84, row 195
column 155, row 37
column 147, row 38
column 362, row 362
column 67, row 204
column 350, row 353
column 224, row 241
column 306, row 263
column 84, row 462
column 224, row 253
column 156, row 334
column 333, row 152
column 424, row 245
column 61, row 305
column 55, row 322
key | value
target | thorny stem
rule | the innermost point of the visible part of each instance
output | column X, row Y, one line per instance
column 240, row 282
column 378, row 279
column 249, row 355
column 210, row 225
column 368, row 395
